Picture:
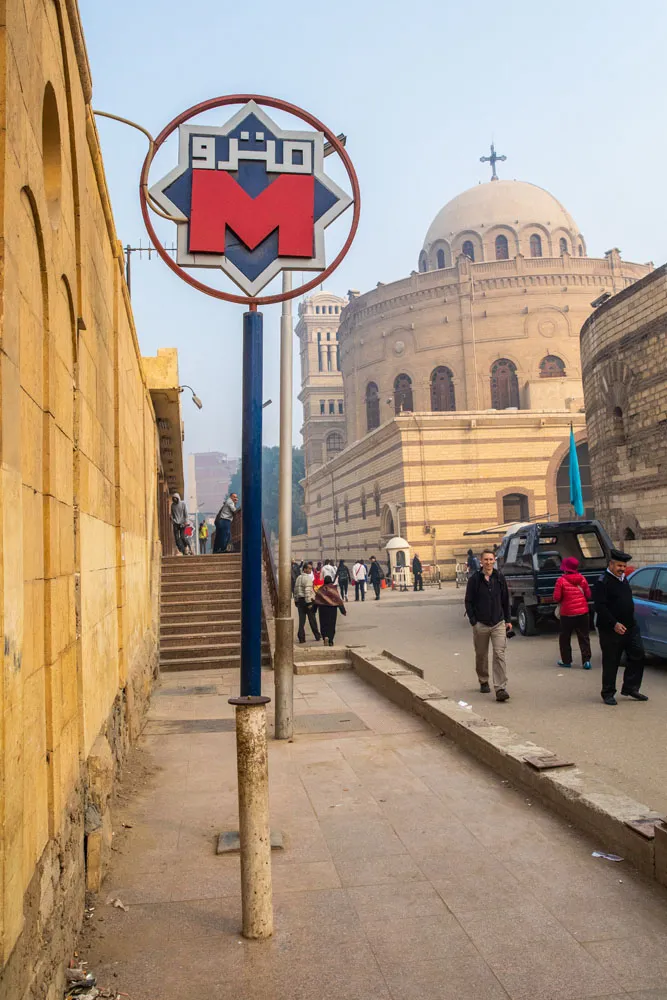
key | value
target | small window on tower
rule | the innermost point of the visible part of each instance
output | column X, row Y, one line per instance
column 332, row 406
column 441, row 258
column 322, row 407
column 581, row 250
column 535, row 245
column 468, row 250
column 340, row 406
column 502, row 248
column 317, row 309
column 562, row 243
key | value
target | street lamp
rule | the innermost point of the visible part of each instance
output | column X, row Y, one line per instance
column 195, row 398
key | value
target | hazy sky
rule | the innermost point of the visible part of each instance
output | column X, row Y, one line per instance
column 573, row 93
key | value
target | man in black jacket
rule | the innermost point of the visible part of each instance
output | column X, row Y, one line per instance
column 375, row 576
column 417, row 572
column 618, row 631
column 488, row 611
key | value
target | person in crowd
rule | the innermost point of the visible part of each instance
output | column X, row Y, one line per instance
column 488, row 609
column 179, row 518
column 359, row 577
column 296, row 572
column 329, row 603
column 472, row 563
column 618, row 630
column 342, row 578
column 375, row 575
column 188, row 538
column 223, row 523
column 203, row 537
column 572, row 595
column 417, row 573
column 304, row 598
column 328, row 569
column 318, row 578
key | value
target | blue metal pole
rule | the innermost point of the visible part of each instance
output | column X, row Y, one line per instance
column 251, row 510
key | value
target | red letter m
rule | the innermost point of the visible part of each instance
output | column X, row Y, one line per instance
column 219, row 201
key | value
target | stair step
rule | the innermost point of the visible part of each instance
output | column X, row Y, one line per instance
column 206, row 663
column 184, row 629
column 196, row 640
column 203, row 604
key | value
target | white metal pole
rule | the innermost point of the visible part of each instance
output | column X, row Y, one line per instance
column 284, row 656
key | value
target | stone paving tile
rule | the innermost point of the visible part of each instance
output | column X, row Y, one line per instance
column 409, row 873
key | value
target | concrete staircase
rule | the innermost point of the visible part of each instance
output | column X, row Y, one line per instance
column 200, row 613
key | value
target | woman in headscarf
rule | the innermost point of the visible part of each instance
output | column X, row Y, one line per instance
column 328, row 603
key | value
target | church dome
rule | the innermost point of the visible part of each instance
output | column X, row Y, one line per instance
column 497, row 220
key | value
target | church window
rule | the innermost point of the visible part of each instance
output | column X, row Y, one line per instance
column 403, row 394
column 442, row 390
column 502, row 248
column 441, row 258
column 337, row 357
column 423, row 263
column 535, row 245
column 562, row 243
column 552, row 367
column 322, row 407
column 618, row 425
column 629, row 535
column 504, row 385
column 335, row 512
column 329, row 364
column 515, row 508
column 468, row 250
column 340, row 406
column 363, row 503
column 563, row 484
column 581, row 250
column 328, row 336
column 319, row 352
column 372, row 406
column 317, row 309
column 346, row 508
column 377, row 498
column 332, row 406
column 334, row 443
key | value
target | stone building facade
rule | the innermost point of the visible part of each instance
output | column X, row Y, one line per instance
column 624, row 361
column 79, row 495
column 472, row 367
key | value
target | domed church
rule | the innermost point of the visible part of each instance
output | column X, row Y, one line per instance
column 441, row 404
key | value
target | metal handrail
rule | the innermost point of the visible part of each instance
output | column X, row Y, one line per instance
column 267, row 558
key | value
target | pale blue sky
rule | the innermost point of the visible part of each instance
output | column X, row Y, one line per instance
column 573, row 93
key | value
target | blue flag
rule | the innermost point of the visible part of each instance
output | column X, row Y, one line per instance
column 576, row 498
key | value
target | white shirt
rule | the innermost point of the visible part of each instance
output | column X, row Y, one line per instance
column 328, row 570
column 359, row 572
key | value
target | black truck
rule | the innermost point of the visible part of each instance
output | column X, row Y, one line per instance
column 530, row 556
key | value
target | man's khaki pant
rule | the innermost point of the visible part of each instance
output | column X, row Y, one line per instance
column 498, row 636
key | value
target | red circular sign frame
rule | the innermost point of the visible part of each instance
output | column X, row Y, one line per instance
column 272, row 102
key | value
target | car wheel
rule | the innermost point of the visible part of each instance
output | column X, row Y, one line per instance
column 526, row 620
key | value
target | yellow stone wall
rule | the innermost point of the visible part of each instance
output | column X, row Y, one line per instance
column 78, row 474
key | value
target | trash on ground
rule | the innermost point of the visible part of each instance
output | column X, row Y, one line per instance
column 607, row 857
column 464, row 704
column 117, row 902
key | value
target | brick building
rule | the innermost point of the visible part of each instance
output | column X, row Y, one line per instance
column 624, row 360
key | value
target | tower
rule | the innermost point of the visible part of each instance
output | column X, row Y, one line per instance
column 321, row 393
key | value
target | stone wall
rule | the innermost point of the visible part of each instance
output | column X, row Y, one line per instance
column 78, row 487
column 624, row 359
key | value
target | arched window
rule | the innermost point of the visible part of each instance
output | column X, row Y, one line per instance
column 387, row 524
column 440, row 257
column 468, row 249
column 581, row 250
column 377, row 497
column 423, row 263
column 362, row 500
column 535, row 245
column 515, row 508
column 317, row 309
column 502, row 248
column 504, row 385
column 618, row 425
column 403, row 394
column 629, row 535
column 562, row 243
column 320, row 364
column 552, row 367
column 565, row 512
column 442, row 390
column 334, row 443
column 372, row 406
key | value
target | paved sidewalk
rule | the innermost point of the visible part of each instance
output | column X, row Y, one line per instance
column 410, row 872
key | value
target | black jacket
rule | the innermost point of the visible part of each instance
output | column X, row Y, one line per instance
column 375, row 573
column 613, row 602
column 488, row 603
column 416, row 565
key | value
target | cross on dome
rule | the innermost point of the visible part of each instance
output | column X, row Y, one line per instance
column 493, row 159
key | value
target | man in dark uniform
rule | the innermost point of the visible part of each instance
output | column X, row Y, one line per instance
column 417, row 572
column 618, row 631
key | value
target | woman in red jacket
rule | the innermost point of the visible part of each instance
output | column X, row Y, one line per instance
column 573, row 594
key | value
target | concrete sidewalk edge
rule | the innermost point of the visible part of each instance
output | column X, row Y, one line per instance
column 596, row 808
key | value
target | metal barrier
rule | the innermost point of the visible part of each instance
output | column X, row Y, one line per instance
column 461, row 575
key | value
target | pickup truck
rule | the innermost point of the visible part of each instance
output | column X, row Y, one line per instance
column 530, row 556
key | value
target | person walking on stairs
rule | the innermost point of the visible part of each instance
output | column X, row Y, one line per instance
column 304, row 598
column 223, row 523
column 203, row 538
column 329, row 603
column 179, row 518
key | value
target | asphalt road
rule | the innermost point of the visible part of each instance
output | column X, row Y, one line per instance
column 559, row 709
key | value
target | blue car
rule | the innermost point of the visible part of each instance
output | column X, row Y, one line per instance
column 649, row 590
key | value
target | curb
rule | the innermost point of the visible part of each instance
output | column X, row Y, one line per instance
column 598, row 809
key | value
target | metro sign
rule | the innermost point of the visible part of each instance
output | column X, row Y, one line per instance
column 250, row 198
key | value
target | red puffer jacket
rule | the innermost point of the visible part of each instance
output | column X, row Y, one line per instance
column 573, row 594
